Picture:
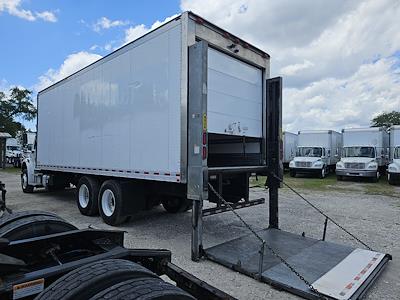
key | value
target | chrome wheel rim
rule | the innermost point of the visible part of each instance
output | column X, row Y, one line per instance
column 108, row 202
column 83, row 196
column 24, row 180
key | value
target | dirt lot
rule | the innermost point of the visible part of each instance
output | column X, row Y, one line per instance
column 371, row 211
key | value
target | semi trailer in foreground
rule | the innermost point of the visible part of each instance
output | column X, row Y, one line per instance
column 394, row 167
column 183, row 115
column 365, row 153
column 317, row 152
column 46, row 257
column 289, row 143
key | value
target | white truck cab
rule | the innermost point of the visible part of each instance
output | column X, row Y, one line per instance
column 317, row 152
column 365, row 153
column 13, row 151
column 393, row 170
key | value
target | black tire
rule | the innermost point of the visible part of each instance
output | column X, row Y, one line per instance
column 376, row 178
column 92, row 205
column 175, row 205
column 26, row 188
column 143, row 289
column 8, row 218
column 339, row 177
column 322, row 174
column 292, row 173
column 111, row 211
column 87, row 281
column 391, row 180
column 30, row 226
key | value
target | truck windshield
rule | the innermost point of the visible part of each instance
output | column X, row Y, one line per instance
column 396, row 153
column 309, row 151
column 13, row 148
column 359, row 152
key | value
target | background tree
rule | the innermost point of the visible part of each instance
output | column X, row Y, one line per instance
column 386, row 119
column 18, row 104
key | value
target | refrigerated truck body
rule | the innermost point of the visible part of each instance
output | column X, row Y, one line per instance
column 289, row 147
column 394, row 166
column 365, row 153
column 317, row 152
column 159, row 119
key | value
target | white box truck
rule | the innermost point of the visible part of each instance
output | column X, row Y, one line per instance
column 365, row 153
column 317, row 152
column 13, row 151
column 158, row 120
column 394, row 167
column 289, row 145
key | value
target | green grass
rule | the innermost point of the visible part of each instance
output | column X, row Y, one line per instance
column 10, row 170
column 330, row 183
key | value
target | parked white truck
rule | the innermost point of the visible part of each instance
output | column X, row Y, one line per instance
column 158, row 120
column 365, row 153
column 289, row 144
column 13, row 151
column 394, row 167
column 317, row 152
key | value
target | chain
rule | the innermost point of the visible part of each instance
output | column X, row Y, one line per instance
column 291, row 268
column 324, row 214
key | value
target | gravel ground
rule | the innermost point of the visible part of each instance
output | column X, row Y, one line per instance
column 373, row 218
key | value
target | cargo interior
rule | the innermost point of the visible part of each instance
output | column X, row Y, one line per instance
column 225, row 152
column 233, row 151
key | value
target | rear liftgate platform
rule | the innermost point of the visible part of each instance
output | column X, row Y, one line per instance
column 335, row 271
column 307, row 267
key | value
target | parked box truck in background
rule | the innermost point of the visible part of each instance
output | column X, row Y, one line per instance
column 13, row 151
column 317, row 152
column 289, row 147
column 365, row 153
column 394, row 167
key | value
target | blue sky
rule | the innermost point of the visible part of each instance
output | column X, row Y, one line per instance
column 340, row 60
column 29, row 48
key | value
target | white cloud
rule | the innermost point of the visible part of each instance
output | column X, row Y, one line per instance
column 47, row 16
column 295, row 68
column 134, row 32
column 105, row 23
column 71, row 64
column 13, row 7
column 346, row 102
column 338, row 58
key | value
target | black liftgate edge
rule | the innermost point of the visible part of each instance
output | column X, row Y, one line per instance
column 273, row 145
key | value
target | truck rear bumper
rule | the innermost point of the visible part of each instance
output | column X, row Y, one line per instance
column 356, row 173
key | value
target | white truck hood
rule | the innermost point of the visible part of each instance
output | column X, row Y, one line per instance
column 364, row 160
column 394, row 167
column 306, row 159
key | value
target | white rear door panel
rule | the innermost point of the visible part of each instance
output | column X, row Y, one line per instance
column 234, row 96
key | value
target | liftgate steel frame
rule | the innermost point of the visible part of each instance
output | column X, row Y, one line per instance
column 197, row 177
